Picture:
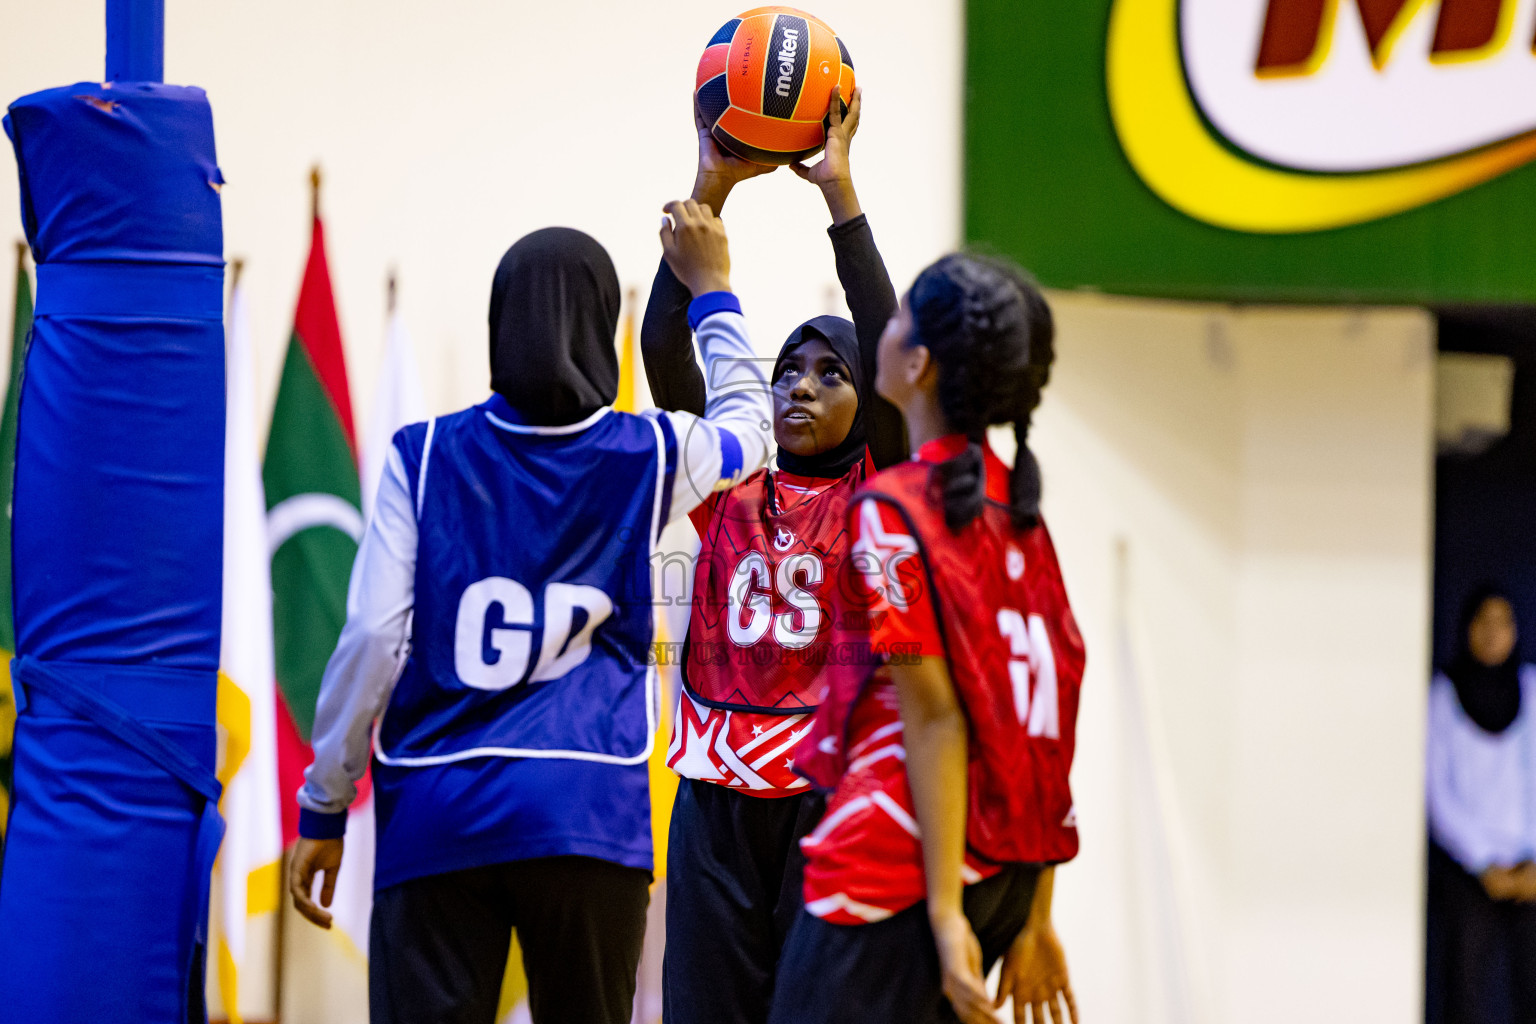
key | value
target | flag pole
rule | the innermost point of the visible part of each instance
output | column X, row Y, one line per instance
column 21, row 271
column 389, row 292
column 624, row 401
column 135, row 40
column 236, row 266
column 314, row 192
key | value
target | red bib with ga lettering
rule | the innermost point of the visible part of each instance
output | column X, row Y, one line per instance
column 1015, row 656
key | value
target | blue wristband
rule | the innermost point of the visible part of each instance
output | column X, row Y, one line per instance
column 710, row 303
column 318, row 825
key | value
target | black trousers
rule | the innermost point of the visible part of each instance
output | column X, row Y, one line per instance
column 889, row 971
column 1488, row 948
column 733, row 889
column 438, row 946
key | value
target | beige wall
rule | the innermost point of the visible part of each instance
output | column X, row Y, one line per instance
column 447, row 130
column 1242, row 495
column 1242, row 503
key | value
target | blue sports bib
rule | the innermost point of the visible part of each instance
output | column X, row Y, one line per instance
column 532, row 621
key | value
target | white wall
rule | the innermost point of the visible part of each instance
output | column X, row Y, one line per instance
column 1248, row 775
column 1241, row 500
column 447, row 130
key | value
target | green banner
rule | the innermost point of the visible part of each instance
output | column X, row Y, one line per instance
column 1257, row 150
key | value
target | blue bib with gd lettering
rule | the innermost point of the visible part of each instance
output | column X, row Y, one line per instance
column 525, row 712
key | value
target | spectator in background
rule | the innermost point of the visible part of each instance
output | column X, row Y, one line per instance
column 1482, row 818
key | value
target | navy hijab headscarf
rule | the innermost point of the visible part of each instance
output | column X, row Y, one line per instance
column 840, row 336
column 554, row 312
column 1490, row 695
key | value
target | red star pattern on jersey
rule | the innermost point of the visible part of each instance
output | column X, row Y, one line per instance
column 1015, row 658
column 742, row 749
column 864, row 861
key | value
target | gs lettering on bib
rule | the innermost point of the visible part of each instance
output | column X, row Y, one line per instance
column 762, row 595
column 532, row 622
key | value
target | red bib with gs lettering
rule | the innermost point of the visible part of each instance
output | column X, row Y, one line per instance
column 771, row 550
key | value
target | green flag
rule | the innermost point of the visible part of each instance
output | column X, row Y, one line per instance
column 21, row 330
column 313, row 517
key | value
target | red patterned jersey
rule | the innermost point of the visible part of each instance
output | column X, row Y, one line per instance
column 1016, row 658
column 771, row 550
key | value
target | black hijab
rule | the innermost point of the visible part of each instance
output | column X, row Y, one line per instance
column 1489, row 695
column 840, row 336
column 554, row 311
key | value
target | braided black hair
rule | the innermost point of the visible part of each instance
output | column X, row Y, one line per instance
column 991, row 334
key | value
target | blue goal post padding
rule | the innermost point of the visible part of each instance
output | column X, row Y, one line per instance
column 117, row 546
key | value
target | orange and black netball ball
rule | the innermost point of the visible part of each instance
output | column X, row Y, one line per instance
column 765, row 80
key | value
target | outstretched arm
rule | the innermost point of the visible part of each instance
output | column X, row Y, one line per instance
column 872, row 301
column 666, row 343
column 733, row 437
column 860, row 269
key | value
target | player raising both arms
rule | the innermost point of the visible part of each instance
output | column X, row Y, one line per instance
column 770, row 550
column 948, row 764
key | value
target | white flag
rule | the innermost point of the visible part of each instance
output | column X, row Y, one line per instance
column 325, row 975
column 397, row 402
column 249, row 861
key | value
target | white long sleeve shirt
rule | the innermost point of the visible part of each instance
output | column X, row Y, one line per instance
column 731, row 440
column 1480, row 786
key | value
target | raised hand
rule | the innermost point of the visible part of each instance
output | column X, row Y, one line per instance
column 694, row 244
column 719, row 171
column 833, row 173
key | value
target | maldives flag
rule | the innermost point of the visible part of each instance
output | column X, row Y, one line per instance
column 314, row 524
column 314, row 520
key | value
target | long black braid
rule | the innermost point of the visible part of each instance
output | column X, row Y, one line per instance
column 991, row 334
